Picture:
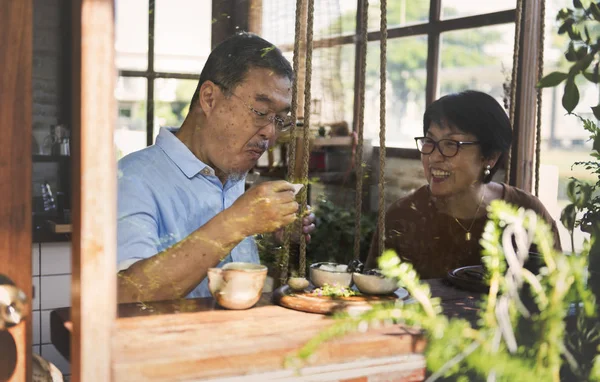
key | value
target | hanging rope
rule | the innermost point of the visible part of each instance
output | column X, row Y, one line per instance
column 382, row 103
column 361, row 121
column 284, row 260
column 306, row 152
column 538, row 127
column 513, row 88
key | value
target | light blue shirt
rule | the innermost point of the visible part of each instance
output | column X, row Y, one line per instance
column 164, row 194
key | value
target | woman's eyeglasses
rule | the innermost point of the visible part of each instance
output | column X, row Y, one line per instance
column 447, row 147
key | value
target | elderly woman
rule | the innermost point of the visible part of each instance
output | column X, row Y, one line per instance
column 437, row 228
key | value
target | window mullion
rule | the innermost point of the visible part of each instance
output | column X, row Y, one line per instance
column 151, row 74
column 433, row 51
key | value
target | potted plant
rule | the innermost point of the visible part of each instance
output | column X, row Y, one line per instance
column 581, row 24
column 511, row 342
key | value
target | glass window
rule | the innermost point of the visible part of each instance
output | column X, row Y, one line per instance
column 172, row 101
column 130, row 133
column 333, row 85
column 331, row 18
column 399, row 13
column 131, row 34
column 564, row 141
column 182, row 35
column 405, row 98
column 452, row 9
column 479, row 59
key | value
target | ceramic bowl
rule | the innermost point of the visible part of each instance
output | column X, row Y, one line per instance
column 374, row 284
column 330, row 273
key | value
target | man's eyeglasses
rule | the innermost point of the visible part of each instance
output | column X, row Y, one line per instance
column 262, row 119
column 447, row 147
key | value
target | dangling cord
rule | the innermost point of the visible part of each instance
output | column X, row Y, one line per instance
column 382, row 99
column 513, row 87
column 306, row 153
column 538, row 128
column 284, row 260
column 361, row 121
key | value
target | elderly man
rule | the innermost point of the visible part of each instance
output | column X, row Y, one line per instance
column 181, row 202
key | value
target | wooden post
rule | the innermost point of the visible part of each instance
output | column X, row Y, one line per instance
column 523, row 147
column 93, row 293
column 16, row 28
column 255, row 16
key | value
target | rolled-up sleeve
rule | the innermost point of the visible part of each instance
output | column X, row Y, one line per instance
column 137, row 227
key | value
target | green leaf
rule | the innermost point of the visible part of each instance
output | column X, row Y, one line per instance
column 552, row 79
column 568, row 216
column 595, row 11
column 583, row 196
column 570, row 97
column 588, row 39
column 596, row 145
column 596, row 111
column 582, row 64
column 592, row 77
column 566, row 26
column 571, row 191
column 570, row 54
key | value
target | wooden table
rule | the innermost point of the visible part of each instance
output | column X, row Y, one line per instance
column 254, row 343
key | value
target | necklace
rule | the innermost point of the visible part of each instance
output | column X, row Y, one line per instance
column 468, row 231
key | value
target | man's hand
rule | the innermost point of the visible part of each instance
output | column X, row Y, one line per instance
column 264, row 208
column 308, row 226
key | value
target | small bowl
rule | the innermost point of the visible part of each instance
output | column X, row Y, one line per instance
column 374, row 284
column 320, row 277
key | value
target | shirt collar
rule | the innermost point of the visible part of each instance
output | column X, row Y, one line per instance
column 179, row 153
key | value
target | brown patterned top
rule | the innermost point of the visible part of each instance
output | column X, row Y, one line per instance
column 433, row 242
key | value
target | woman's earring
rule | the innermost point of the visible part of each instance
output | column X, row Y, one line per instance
column 487, row 170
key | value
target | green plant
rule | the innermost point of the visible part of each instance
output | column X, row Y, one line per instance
column 584, row 197
column 521, row 333
column 333, row 240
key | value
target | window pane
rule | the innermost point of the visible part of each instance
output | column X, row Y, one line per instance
column 406, row 78
column 333, row 85
column 131, row 34
column 331, row 18
column 399, row 13
column 182, row 36
column 172, row 101
column 479, row 59
column 564, row 141
column 130, row 134
column 460, row 8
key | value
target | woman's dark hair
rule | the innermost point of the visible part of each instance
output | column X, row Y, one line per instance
column 476, row 113
column 229, row 62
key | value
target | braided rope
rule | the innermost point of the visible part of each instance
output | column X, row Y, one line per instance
column 382, row 104
column 306, row 153
column 361, row 121
column 513, row 87
column 538, row 127
column 284, row 260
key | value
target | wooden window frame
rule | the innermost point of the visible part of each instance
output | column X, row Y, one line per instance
column 220, row 30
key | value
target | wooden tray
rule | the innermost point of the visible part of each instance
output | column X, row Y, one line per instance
column 307, row 302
